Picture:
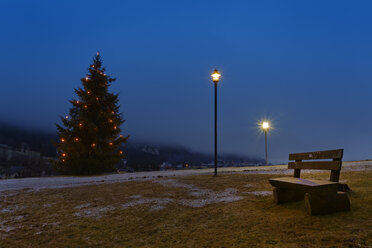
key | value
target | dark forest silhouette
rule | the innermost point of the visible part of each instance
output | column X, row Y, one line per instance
column 141, row 156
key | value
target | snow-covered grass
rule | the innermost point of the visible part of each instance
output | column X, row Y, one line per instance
column 11, row 186
column 230, row 210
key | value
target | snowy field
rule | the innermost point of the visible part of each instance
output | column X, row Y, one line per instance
column 37, row 183
column 150, row 209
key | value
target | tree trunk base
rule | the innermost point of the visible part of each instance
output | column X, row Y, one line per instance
column 282, row 195
column 316, row 205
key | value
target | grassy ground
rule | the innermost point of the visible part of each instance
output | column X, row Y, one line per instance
column 94, row 216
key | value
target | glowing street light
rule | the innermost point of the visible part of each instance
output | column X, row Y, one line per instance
column 265, row 126
column 215, row 78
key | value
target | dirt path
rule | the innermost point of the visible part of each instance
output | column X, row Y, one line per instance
column 38, row 183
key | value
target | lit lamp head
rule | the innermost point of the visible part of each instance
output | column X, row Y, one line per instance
column 216, row 76
column 265, row 125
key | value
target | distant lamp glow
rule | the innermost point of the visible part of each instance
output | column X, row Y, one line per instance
column 66, row 116
column 121, row 152
column 62, row 140
column 94, row 145
column 110, row 144
column 76, row 139
column 216, row 76
column 80, row 124
column 86, row 78
column 63, row 154
column 265, row 125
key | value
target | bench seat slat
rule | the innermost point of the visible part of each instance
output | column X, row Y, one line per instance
column 330, row 154
column 321, row 165
column 306, row 185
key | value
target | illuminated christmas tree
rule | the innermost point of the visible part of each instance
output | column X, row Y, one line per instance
column 90, row 139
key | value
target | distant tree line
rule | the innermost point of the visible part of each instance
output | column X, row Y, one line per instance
column 39, row 141
column 142, row 157
column 139, row 156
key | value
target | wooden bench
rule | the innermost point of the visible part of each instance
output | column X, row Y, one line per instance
column 321, row 196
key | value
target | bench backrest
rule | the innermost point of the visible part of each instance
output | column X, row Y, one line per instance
column 334, row 165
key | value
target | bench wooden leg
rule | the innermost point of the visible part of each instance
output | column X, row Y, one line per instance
column 316, row 205
column 282, row 195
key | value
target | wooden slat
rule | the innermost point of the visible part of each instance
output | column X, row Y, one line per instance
column 335, row 176
column 320, row 165
column 330, row 154
column 297, row 172
column 322, row 187
column 302, row 181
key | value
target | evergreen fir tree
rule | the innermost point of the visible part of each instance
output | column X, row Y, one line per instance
column 89, row 141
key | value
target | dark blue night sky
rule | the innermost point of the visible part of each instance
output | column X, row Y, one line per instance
column 305, row 65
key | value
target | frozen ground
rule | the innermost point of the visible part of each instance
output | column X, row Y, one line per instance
column 199, row 198
column 38, row 183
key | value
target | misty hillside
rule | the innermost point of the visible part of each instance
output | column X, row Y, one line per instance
column 144, row 157
column 38, row 141
column 139, row 156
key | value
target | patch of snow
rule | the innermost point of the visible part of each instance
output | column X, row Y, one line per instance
column 175, row 184
column 201, row 192
column 135, row 196
column 211, row 197
column 6, row 228
column 19, row 217
column 96, row 212
column 10, row 193
column 48, row 205
column 357, row 168
column 11, row 209
column 160, row 203
column 206, row 196
column 82, row 206
column 259, row 193
column 157, row 207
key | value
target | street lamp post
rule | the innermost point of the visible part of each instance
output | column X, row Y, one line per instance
column 215, row 78
column 265, row 127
